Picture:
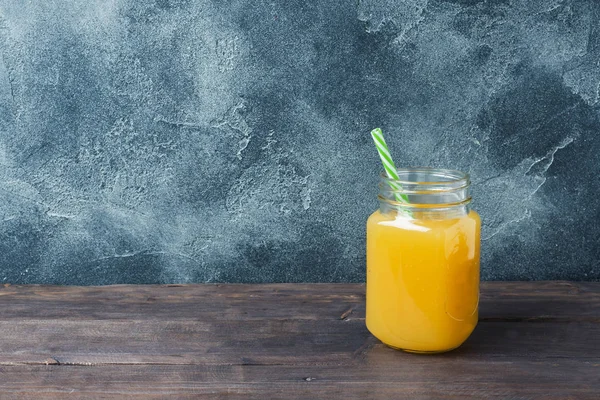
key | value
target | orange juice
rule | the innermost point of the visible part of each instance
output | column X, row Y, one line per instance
column 422, row 279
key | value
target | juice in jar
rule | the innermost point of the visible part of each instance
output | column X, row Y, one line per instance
column 423, row 275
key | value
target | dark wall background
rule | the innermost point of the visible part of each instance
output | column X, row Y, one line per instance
column 227, row 141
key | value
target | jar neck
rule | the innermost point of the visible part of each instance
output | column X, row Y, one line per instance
column 426, row 193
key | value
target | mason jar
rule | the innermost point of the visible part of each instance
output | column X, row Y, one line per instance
column 423, row 261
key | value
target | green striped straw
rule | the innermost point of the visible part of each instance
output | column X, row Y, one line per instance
column 388, row 164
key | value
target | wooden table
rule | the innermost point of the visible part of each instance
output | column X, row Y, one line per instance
column 294, row 341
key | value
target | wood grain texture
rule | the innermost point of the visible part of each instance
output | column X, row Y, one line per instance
column 297, row 341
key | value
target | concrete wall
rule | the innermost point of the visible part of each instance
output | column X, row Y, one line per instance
column 227, row 141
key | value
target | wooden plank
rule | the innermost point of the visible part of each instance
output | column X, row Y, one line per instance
column 499, row 301
column 181, row 342
column 559, row 300
column 301, row 342
column 232, row 302
column 386, row 374
column 209, row 341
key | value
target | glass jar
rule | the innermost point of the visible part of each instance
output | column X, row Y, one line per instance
column 423, row 261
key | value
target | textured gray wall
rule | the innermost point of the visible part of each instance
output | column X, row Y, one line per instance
column 199, row 141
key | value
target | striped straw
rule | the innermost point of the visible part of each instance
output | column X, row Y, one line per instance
column 388, row 164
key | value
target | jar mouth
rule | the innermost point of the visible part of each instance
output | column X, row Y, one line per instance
column 426, row 189
column 427, row 178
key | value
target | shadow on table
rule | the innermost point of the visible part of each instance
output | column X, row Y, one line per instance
column 515, row 339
